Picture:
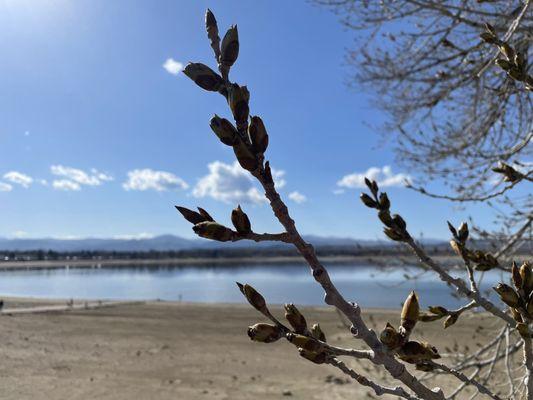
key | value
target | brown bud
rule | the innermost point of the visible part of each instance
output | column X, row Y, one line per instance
column 384, row 216
column 238, row 101
column 317, row 358
column 317, row 333
column 504, row 64
column 452, row 319
column 527, row 278
column 507, row 51
column 212, row 32
column 384, row 202
column 205, row 214
column 240, row 221
column 489, row 38
column 515, row 276
column 305, row 342
column 258, row 135
column 394, row 235
column 399, row 222
column 213, row 231
column 253, row 296
column 457, row 248
column 452, row 229
column 410, row 312
column 462, row 233
column 368, row 201
column 439, row 310
column 245, row 157
column 264, row 333
column 192, row 216
column 507, row 295
column 224, row 130
column 295, row 318
column 204, row 76
column 390, row 337
column 230, row 47
column 414, row 352
column 489, row 28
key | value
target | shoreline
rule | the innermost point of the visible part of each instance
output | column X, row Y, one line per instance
column 169, row 350
column 205, row 261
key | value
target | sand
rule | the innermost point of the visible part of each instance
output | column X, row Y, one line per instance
column 160, row 351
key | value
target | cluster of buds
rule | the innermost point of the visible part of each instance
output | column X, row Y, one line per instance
column 520, row 298
column 395, row 226
column 512, row 61
column 311, row 343
column 482, row 260
column 205, row 226
column 509, row 173
column 397, row 340
column 248, row 138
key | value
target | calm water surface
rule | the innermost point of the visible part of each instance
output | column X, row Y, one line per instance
column 279, row 284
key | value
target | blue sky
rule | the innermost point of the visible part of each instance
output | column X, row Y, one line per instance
column 99, row 139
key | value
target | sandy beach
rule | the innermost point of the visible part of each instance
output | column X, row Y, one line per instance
column 162, row 351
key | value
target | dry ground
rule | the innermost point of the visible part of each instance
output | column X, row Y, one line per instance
column 160, row 351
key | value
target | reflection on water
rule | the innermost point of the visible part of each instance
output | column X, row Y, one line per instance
column 368, row 285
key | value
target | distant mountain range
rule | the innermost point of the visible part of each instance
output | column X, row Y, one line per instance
column 166, row 243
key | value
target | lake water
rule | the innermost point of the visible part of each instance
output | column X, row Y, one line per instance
column 368, row 285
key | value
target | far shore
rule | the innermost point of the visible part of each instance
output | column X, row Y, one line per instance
column 204, row 261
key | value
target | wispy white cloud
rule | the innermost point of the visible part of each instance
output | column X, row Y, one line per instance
column 297, row 197
column 66, row 185
column 148, row 179
column 383, row 176
column 5, row 187
column 18, row 178
column 74, row 178
column 172, row 66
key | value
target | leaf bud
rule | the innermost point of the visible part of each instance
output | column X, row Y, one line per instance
column 317, row 358
column 213, row 231
column 384, row 202
column 317, row 333
column 230, row 47
column 240, row 221
column 507, row 295
column 205, row 214
column 264, row 333
column 204, row 76
column 452, row 319
column 258, row 135
column 368, row 201
column 295, row 318
column 410, row 312
column 413, row 352
column 224, row 130
column 390, row 337
column 245, row 157
column 253, row 296
column 462, row 233
column 192, row 216
column 305, row 342
column 238, row 98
